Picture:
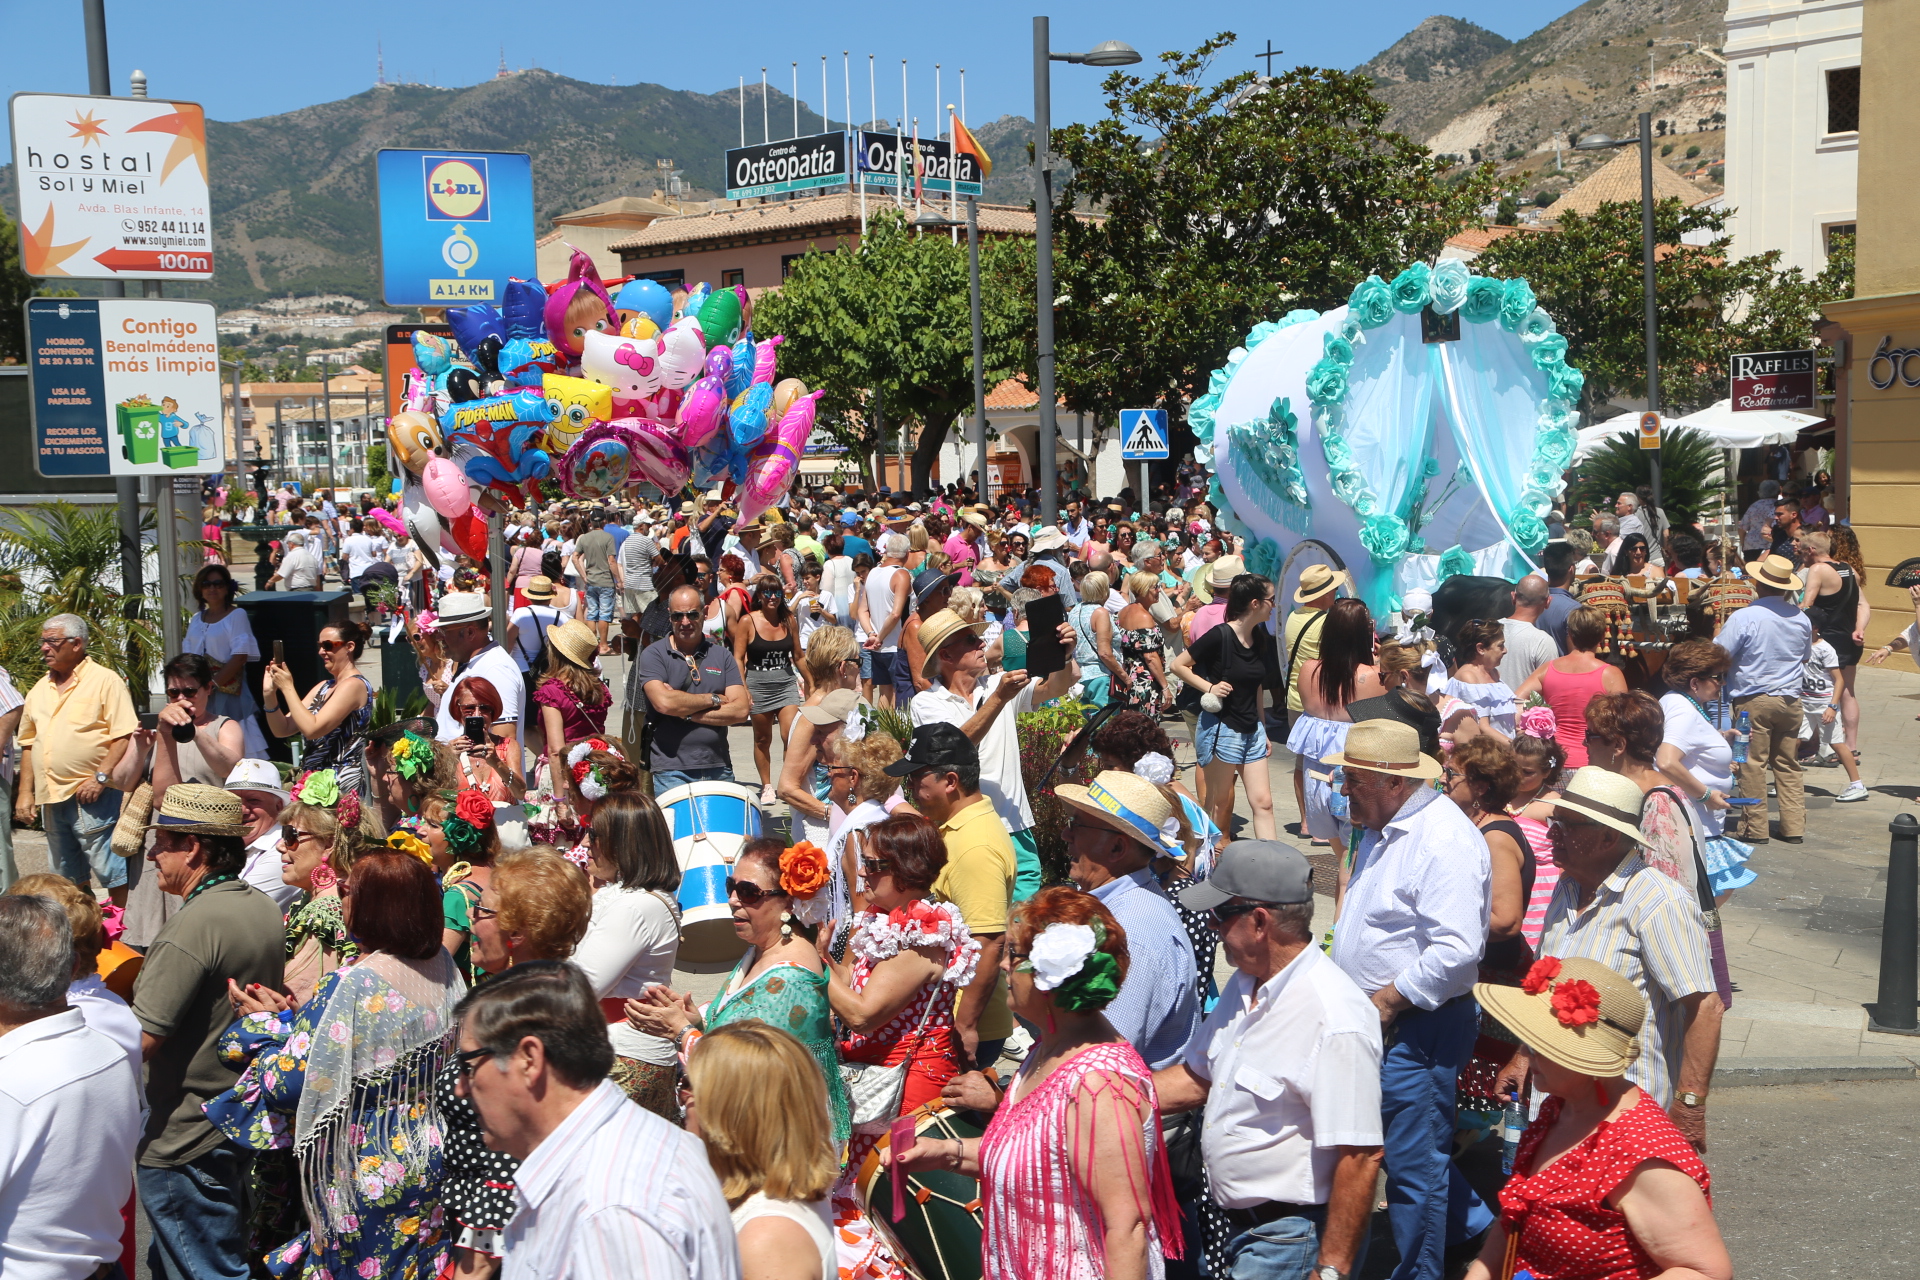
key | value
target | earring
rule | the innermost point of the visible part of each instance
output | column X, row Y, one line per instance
column 786, row 926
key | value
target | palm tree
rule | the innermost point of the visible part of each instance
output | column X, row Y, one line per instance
column 1691, row 474
column 64, row 558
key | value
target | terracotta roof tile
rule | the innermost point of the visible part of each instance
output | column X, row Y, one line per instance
column 796, row 217
column 1619, row 179
column 1479, row 239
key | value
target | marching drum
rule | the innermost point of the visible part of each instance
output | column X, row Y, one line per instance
column 938, row 1237
column 711, row 821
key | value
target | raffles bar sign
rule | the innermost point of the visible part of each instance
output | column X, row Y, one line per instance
column 1772, row 380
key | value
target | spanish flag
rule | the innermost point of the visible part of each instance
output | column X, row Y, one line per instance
column 965, row 144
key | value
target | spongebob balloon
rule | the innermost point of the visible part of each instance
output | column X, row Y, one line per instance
column 576, row 404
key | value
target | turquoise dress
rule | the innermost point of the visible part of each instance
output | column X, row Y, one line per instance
column 794, row 999
column 399, row 1230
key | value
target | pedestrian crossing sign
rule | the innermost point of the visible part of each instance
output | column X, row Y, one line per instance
column 1143, row 434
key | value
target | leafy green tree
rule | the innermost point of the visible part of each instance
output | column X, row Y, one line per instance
column 1690, row 466
column 1223, row 205
column 1709, row 305
column 889, row 323
column 16, row 286
column 68, row 557
column 378, row 477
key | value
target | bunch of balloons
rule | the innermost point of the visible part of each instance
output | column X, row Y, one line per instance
column 601, row 393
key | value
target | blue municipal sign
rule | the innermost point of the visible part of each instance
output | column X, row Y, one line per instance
column 1143, row 434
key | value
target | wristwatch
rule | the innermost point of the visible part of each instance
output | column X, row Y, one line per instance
column 1692, row 1099
column 1329, row 1272
column 716, row 700
column 100, row 778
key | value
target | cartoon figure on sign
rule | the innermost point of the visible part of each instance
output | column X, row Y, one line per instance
column 171, row 423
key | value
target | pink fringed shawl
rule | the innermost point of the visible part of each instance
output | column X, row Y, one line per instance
column 1042, row 1222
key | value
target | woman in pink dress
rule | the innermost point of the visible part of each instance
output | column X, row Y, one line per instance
column 1541, row 758
column 1073, row 1170
column 1568, row 684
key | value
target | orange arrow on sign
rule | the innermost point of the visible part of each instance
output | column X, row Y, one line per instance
column 154, row 260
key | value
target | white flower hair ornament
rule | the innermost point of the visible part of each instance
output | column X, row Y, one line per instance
column 586, row 775
column 1155, row 768
column 1066, row 959
column 855, row 726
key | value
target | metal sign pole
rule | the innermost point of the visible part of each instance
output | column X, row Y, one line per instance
column 167, row 545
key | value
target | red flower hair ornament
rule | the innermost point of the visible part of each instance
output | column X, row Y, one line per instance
column 1576, row 1002
column 474, row 807
column 1540, row 977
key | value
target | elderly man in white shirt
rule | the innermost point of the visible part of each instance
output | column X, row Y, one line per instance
column 1292, row 1133
column 69, row 1108
column 1412, row 930
column 257, row 783
column 604, row 1188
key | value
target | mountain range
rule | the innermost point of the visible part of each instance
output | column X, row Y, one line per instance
column 293, row 198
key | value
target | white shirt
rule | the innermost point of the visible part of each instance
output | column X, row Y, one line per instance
column 615, row 1191
column 815, row 1218
column 9, row 699
column 1703, row 752
column 497, row 666
column 631, row 941
column 1528, row 649
column 219, row 641
column 360, row 552
column 1000, row 777
column 111, row 1016
column 529, row 625
column 263, row 869
column 880, row 604
column 300, row 569
column 1294, row 1070
column 69, row 1120
column 1417, row 904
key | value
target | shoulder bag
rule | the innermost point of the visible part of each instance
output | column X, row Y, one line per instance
column 1282, row 712
column 874, row 1091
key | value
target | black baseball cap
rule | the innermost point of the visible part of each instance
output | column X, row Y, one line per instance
column 936, row 746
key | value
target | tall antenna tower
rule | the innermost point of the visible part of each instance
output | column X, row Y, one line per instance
column 380, row 65
column 501, row 74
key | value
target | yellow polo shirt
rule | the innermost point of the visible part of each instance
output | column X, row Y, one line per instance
column 978, row 878
column 69, row 728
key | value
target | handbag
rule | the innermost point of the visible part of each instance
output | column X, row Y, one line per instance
column 874, row 1090
column 130, row 832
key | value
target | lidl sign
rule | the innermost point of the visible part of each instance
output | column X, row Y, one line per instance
column 455, row 226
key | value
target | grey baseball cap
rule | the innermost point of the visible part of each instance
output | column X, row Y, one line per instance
column 1257, row 870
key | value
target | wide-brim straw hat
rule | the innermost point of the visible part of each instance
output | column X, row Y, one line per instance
column 1605, row 796
column 1318, row 580
column 457, row 607
column 936, row 631
column 539, row 587
column 1385, row 746
column 1603, row 1047
column 1047, row 538
column 201, row 810
column 1124, row 801
column 1775, row 571
column 974, row 518
column 1224, row 570
column 576, row 642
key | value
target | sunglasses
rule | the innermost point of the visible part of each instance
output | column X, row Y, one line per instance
column 328, row 646
column 751, row 894
column 184, row 692
column 1222, row 914
column 872, row 867
column 484, row 913
column 472, row 1058
column 686, row 615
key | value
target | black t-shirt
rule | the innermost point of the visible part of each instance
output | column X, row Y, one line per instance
column 1218, row 655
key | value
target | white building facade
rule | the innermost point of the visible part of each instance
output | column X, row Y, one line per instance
column 1793, row 140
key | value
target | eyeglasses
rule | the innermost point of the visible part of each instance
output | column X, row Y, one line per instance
column 1222, row 914
column 833, row 769
column 683, row 615
column 872, row 867
column 183, row 693
column 292, row 836
column 484, row 913
column 470, row 1059
column 751, row 894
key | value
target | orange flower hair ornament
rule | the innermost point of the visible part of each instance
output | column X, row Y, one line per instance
column 804, row 872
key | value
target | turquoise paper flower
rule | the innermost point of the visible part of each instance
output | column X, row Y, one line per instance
column 1484, row 297
column 1549, row 351
column 1455, row 561
column 1564, row 382
column 1337, row 348
column 1410, row 288
column 1385, row 538
column 1448, row 289
column 1555, row 448
column 1372, row 302
column 1516, row 305
column 1537, row 326
column 1350, row 328
column 1327, row 382
column 1528, row 530
column 1339, row 452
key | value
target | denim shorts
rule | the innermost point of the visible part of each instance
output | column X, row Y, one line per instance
column 866, row 664
column 1215, row 740
column 600, row 604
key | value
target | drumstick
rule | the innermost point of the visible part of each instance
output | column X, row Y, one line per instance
column 1078, row 743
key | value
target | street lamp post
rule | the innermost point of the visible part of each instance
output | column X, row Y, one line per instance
column 1601, row 142
column 930, row 220
column 1108, row 53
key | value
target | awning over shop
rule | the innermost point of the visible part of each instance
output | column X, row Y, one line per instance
column 1751, row 430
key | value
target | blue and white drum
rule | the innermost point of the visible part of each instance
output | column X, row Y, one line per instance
column 711, row 821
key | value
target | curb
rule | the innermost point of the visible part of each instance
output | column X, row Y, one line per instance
column 1765, row 1071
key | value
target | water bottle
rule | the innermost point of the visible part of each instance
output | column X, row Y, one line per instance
column 1742, row 734
column 1513, row 1122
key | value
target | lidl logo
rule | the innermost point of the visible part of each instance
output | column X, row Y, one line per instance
column 456, row 189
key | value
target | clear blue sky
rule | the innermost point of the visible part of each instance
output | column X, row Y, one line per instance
column 253, row 59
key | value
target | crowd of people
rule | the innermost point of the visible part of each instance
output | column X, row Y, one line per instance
column 411, row 1009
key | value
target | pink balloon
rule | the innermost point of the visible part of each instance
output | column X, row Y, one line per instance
column 390, row 522
column 771, row 464
column 702, row 412
column 764, row 358
column 658, row 456
column 446, row 487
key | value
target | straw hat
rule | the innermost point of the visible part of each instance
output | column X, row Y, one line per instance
column 1225, row 570
column 1123, row 801
column 1048, row 538
column 1386, row 746
column 539, row 587
column 576, row 642
column 832, row 709
column 200, row 810
column 1776, row 571
column 457, row 607
column 1605, row 796
column 1317, row 581
column 974, row 518
column 1594, row 1040
column 936, row 631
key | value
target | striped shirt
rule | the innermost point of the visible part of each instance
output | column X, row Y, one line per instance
column 1643, row 926
column 617, row 1191
column 1157, row 1009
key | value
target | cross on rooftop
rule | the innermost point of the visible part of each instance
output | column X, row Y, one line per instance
column 1270, row 54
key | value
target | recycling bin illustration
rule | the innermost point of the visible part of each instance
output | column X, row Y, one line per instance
column 139, row 427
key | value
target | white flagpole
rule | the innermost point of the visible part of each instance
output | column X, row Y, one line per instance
column 743, row 111
column 766, row 134
column 823, row 93
column 953, row 175
column 900, row 144
column 873, row 113
column 796, row 101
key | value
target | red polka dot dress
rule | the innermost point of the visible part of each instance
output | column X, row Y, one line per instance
column 1567, row 1229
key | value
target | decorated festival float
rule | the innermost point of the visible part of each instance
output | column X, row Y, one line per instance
column 1418, row 434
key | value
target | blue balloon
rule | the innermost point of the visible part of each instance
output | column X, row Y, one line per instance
column 748, row 423
column 740, row 376
column 649, row 297
column 696, row 298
